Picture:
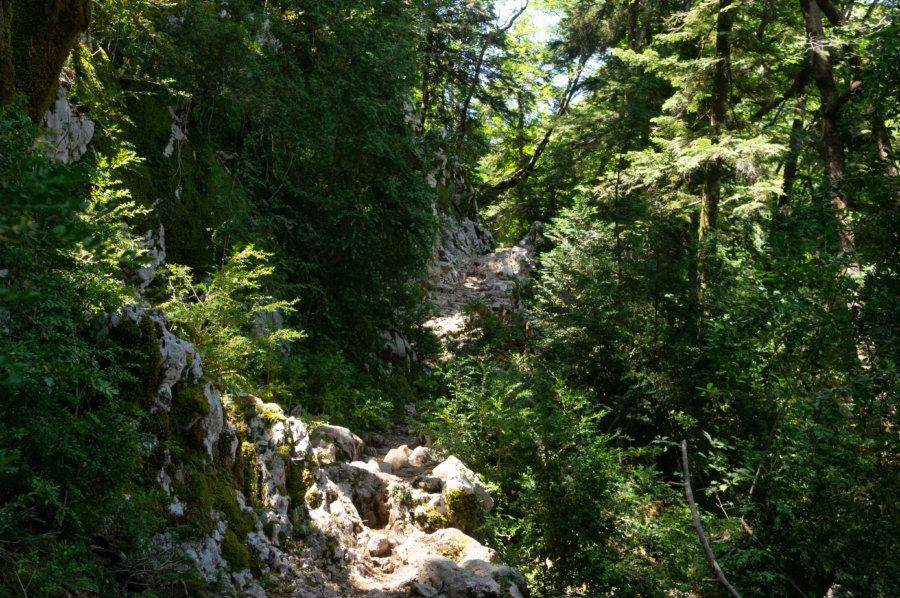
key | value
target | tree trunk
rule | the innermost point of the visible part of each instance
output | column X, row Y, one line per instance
column 633, row 6
column 712, row 179
column 793, row 155
column 7, row 81
column 41, row 34
column 833, row 147
column 883, row 144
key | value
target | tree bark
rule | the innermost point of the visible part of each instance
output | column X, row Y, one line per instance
column 42, row 33
column 883, row 144
column 833, row 147
column 7, row 74
column 712, row 178
column 632, row 34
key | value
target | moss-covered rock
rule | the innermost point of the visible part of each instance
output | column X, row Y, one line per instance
column 234, row 552
column 429, row 520
column 249, row 473
column 141, row 341
column 462, row 509
column 189, row 406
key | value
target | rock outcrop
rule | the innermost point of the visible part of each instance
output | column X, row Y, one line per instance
column 68, row 132
column 469, row 271
column 312, row 511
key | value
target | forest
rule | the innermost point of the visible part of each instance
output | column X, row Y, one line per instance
column 221, row 223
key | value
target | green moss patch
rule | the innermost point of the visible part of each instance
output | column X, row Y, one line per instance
column 462, row 509
column 234, row 552
column 142, row 343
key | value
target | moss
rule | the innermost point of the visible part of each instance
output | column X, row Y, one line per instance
column 189, row 402
column 158, row 424
column 189, row 406
column 151, row 122
column 142, row 343
column 234, row 552
column 462, row 509
column 250, row 475
column 299, row 479
column 272, row 414
column 223, row 455
column 430, row 521
column 454, row 549
column 197, row 493
column 313, row 498
column 225, row 501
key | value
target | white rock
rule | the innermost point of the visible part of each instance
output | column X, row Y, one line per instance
column 155, row 244
column 346, row 443
column 213, row 423
column 379, row 546
column 68, row 132
column 422, row 457
column 458, row 477
column 398, row 457
column 455, row 582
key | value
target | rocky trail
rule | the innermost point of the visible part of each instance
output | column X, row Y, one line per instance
column 290, row 509
column 468, row 270
column 395, row 512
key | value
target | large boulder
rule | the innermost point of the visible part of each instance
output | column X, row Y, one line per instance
column 334, row 443
column 460, row 480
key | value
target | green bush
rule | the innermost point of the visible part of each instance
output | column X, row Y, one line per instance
column 69, row 440
column 573, row 509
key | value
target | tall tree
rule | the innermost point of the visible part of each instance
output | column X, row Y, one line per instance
column 712, row 177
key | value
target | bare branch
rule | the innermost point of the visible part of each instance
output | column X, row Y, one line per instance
column 464, row 112
column 710, row 557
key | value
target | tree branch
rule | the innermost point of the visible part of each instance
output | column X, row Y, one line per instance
column 710, row 557
column 524, row 172
column 464, row 112
column 800, row 84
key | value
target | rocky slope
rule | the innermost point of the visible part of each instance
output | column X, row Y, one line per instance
column 469, row 272
column 276, row 507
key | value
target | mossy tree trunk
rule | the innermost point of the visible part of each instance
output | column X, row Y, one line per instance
column 7, row 89
column 36, row 38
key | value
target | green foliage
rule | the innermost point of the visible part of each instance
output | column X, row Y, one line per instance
column 231, row 322
column 69, row 440
column 574, row 510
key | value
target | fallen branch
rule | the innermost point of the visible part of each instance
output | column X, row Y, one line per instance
column 699, row 526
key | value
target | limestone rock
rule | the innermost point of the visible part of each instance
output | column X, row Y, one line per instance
column 155, row 244
column 68, row 132
column 347, row 445
column 422, row 456
column 213, row 424
column 466, row 270
column 459, row 478
column 398, row 458
column 379, row 546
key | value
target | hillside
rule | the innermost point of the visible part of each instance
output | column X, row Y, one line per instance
column 449, row 298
